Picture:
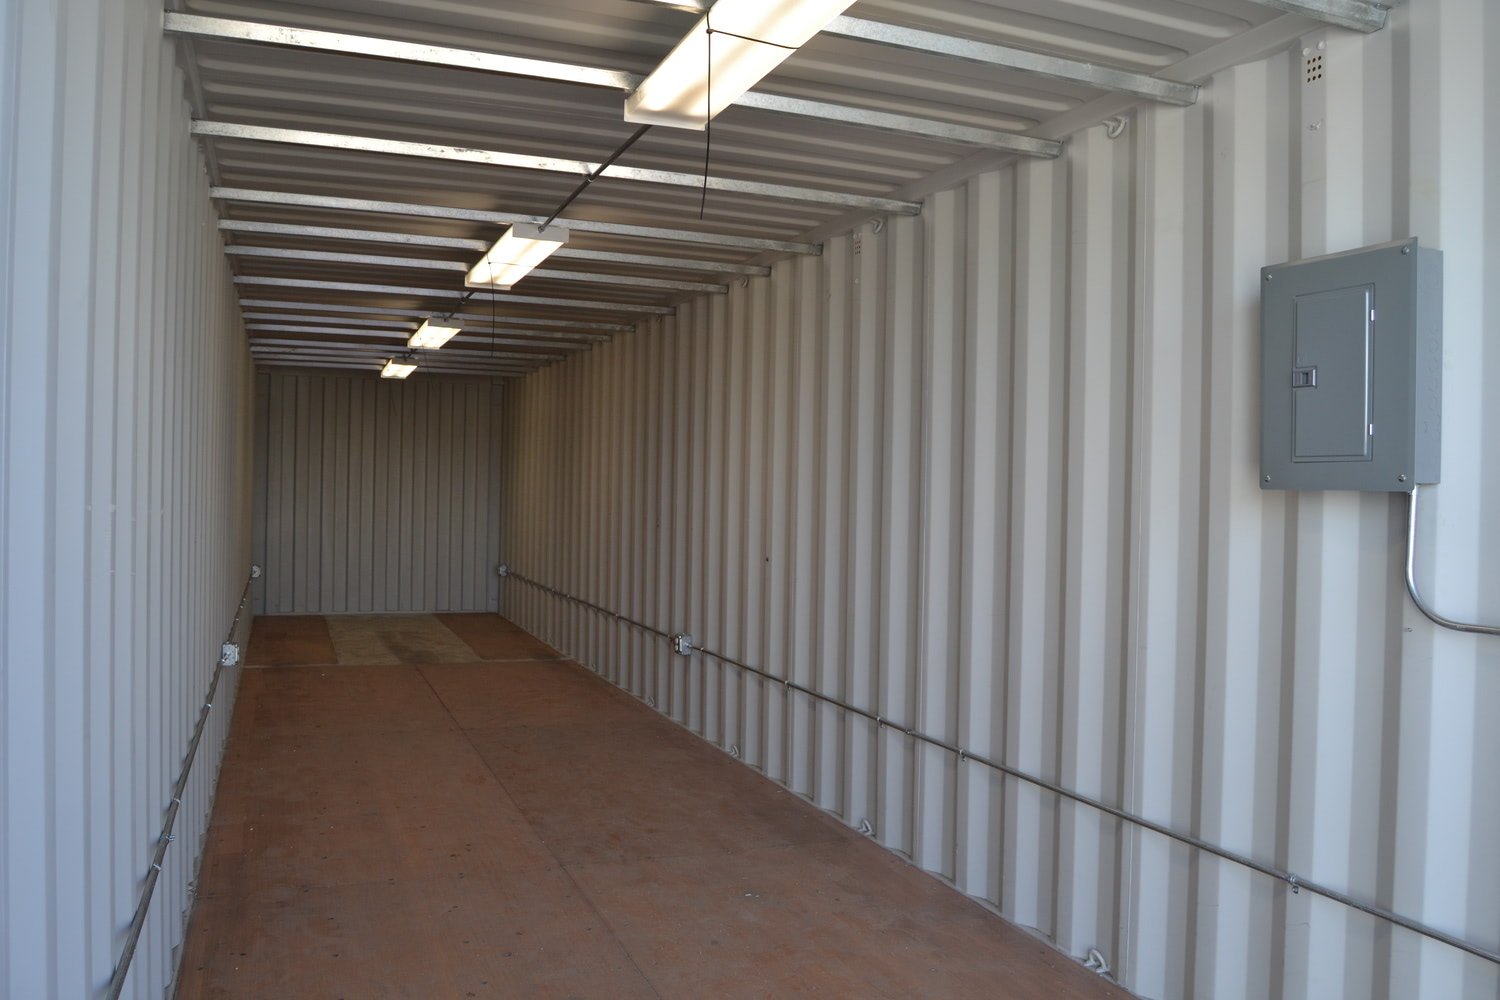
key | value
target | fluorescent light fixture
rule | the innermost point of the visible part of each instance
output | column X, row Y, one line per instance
column 750, row 38
column 522, row 248
column 432, row 335
column 397, row 369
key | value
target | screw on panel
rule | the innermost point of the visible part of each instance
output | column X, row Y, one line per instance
column 1400, row 479
column 1405, row 250
column 1267, row 479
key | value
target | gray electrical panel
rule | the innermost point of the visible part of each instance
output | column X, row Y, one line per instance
column 1351, row 370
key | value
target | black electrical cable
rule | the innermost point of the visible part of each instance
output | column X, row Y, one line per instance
column 708, row 112
column 593, row 175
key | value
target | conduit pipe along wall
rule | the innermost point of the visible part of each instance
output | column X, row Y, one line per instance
column 991, row 472
column 124, row 485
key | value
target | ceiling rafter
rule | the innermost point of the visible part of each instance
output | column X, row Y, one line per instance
column 287, row 199
column 458, row 243
column 1357, row 15
column 509, row 298
column 566, row 327
column 476, row 337
column 458, row 266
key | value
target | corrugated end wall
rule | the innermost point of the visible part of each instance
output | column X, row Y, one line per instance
column 992, row 473
column 376, row 495
column 126, row 395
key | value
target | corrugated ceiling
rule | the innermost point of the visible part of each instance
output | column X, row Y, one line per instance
column 281, row 265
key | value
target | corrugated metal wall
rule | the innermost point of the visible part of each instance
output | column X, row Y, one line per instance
column 376, row 495
column 992, row 473
column 124, row 490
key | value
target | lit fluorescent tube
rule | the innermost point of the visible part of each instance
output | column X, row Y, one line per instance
column 397, row 369
column 677, row 93
column 431, row 336
column 522, row 248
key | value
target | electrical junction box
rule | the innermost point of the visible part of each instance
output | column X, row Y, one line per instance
column 1351, row 370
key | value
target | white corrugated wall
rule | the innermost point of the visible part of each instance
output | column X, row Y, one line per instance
column 126, row 396
column 376, row 495
column 992, row 473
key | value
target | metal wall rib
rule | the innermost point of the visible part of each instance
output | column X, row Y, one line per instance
column 376, row 495
column 124, row 490
column 993, row 472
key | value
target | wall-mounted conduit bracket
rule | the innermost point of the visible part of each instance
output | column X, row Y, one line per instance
column 682, row 644
column 1411, row 578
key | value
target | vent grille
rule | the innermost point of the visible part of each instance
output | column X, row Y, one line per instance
column 1314, row 68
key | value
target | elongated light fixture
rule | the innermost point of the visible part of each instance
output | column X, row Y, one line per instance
column 522, row 248
column 395, row 368
column 700, row 78
column 431, row 335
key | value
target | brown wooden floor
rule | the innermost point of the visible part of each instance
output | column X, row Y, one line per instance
column 512, row 826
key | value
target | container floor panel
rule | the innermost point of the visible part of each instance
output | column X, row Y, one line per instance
column 515, row 827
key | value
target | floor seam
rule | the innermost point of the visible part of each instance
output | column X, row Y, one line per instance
column 562, row 867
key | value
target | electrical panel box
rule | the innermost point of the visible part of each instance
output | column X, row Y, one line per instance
column 1351, row 370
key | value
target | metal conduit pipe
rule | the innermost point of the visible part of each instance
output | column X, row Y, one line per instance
column 153, row 874
column 1411, row 578
column 1295, row 882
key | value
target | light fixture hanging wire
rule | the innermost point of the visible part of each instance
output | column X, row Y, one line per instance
column 708, row 110
column 709, row 31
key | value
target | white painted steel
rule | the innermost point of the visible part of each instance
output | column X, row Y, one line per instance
column 992, row 472
column 125, row 394
column 376, row 496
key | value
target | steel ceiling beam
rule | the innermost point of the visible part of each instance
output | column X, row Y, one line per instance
column 364, row 235
column 267, row 363
column 351, row 352
column 999, row 56
column 229, row 29
column 336, row 350
column 476, row 339
column 570, row 325
column 489, row 62
column 1356, row 14
column 448, row 349
column 449, row 293
column 461, row 267
column 553, row 342
column 371, row 367
column 456, row 243
column 284, row 199
column 404, row 326
column 548, row 164
column 650, row 260
column 1020, row 60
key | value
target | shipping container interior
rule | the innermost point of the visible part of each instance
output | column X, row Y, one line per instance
column 907, row 537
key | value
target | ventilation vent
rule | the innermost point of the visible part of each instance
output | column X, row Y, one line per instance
column 1314, row 68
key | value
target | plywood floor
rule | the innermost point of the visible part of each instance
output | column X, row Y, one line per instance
column 441, row 806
